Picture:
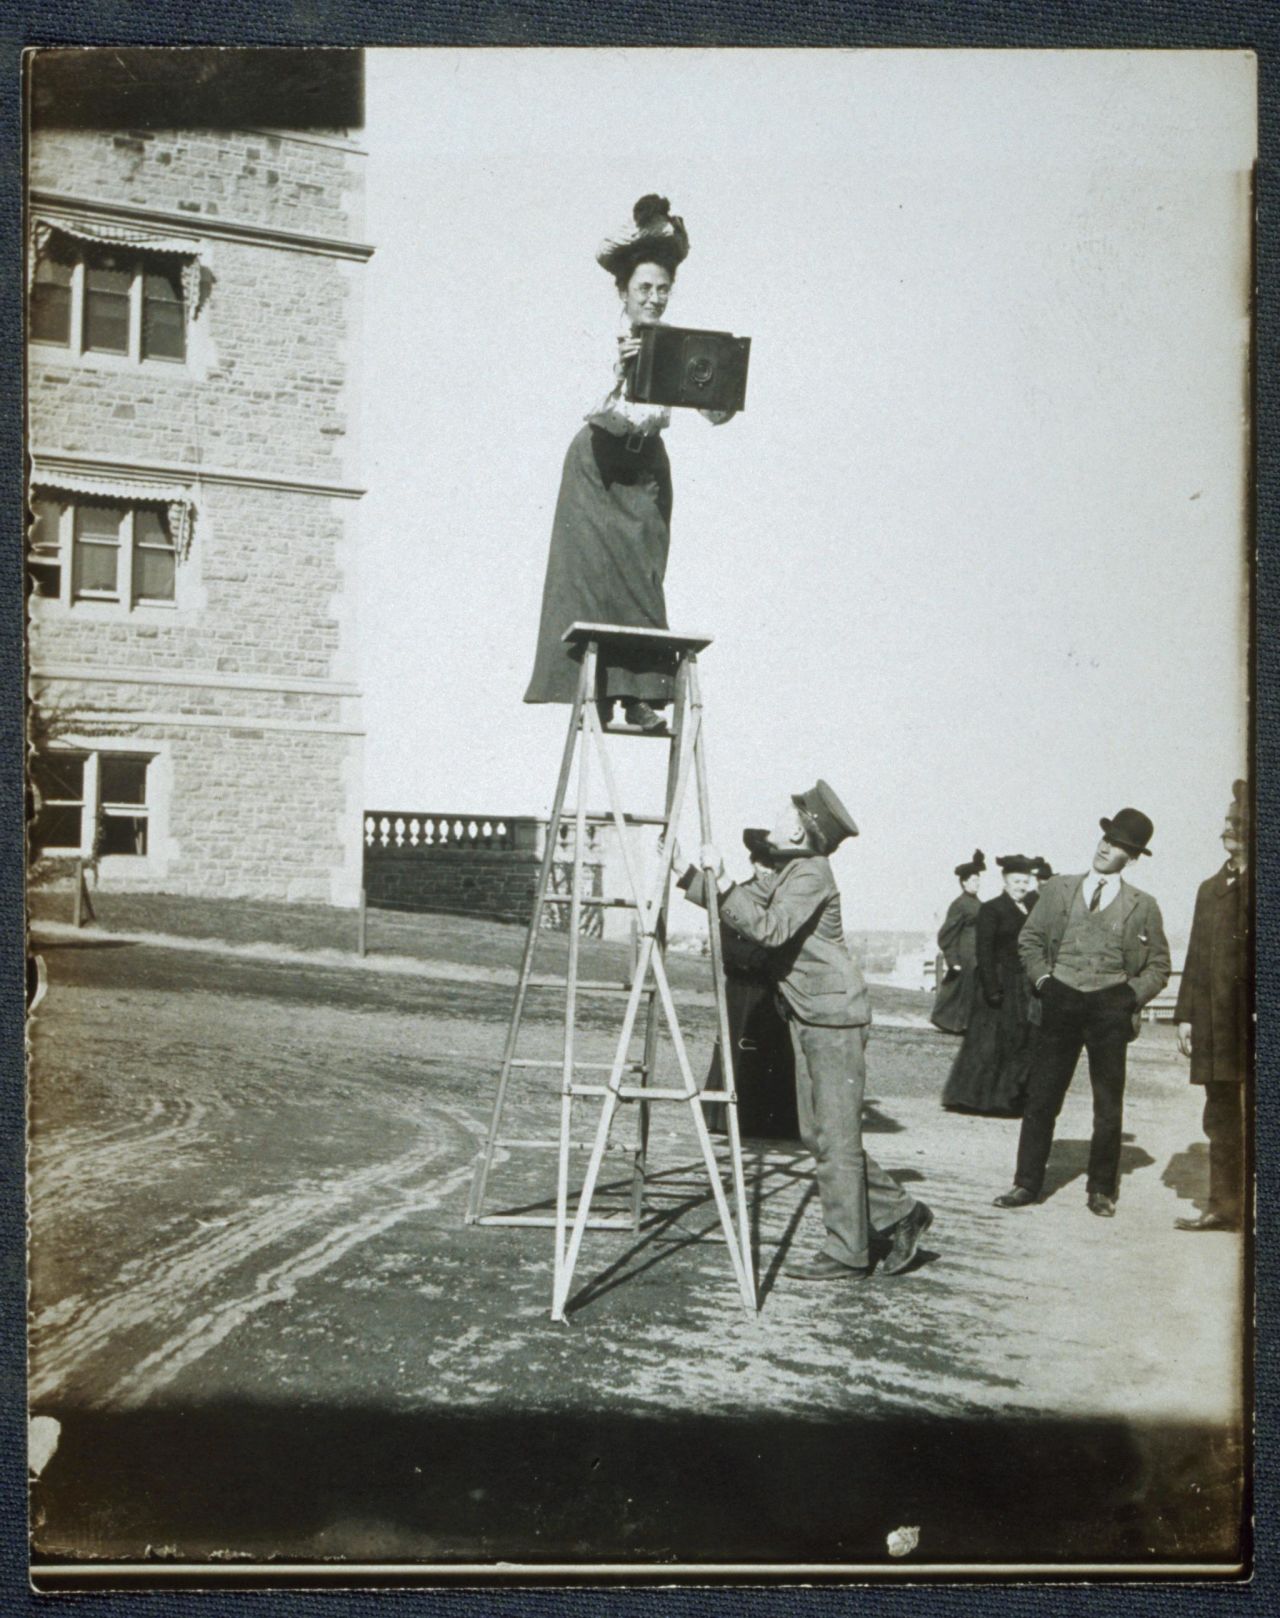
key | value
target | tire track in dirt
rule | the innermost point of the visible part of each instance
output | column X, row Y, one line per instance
column 157, row 1295
column 87, row 1165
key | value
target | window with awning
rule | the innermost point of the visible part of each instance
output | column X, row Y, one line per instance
column 100, row 540
column 109, row 289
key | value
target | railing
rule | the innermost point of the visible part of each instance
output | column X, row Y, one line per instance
column 393, row 828
column 476, row 863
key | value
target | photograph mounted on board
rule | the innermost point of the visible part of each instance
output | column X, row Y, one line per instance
column 617, row 980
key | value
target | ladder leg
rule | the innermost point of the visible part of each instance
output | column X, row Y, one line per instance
column 571, row 988
column 484, row 1161
column 660, row 933
column 607, row 1110
column 741, row 1269
column 722, row 1008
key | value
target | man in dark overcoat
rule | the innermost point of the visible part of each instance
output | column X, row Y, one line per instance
column 1095, row 951
column 1213, row 1020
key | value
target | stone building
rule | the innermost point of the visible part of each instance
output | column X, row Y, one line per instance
column 194, row 297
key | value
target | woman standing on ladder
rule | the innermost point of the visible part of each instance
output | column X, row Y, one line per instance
column 612, row 526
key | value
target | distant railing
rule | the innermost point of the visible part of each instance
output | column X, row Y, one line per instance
column 392, row 828
column 476, row 864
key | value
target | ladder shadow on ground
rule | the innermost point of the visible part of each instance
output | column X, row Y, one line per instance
column 661, row 1238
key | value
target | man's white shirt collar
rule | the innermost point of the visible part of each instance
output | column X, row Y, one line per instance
column 1112, row 882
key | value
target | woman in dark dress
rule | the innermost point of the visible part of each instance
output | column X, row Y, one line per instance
column 764, row 1071
column 989, row 1074
column 612, row 526
column 957, row 941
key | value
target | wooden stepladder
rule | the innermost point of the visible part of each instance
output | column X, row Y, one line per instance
column 626, row 1081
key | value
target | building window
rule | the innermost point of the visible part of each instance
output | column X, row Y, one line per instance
column 109, row 551
column 104, row 300
column 122, row 796
column 58, row 780
column 91, row 802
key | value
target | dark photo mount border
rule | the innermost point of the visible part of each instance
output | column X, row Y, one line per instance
column 1168, row 24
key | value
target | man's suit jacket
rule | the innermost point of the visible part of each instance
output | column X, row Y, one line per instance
column 1143, row 945
column 1213, row 995
column 795, row 914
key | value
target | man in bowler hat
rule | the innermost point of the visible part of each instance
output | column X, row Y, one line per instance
column 795, row 914
column 1095, row 952
column 1213, row 1021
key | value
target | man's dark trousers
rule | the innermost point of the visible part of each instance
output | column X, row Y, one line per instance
column 1099, row 1022
column 1224, row 1125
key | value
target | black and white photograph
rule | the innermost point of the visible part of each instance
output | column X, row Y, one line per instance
column 640, row 813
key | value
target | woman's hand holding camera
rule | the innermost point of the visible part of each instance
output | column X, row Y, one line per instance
column 628, row 348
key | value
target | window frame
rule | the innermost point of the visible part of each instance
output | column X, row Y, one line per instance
column 94, row 811
column 127, row 599
column 142, row 264
column 88, row 778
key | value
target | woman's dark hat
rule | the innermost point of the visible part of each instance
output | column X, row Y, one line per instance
column 974, row 867
column 1041, row 868
column 1130, row 830
column 829, row 815
column 1016, row 865
column 654, row 230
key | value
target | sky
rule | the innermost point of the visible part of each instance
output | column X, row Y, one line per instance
column 975, row 552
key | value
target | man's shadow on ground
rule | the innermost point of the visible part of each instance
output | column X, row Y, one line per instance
column 1070, row 1161
column 1187, row 1175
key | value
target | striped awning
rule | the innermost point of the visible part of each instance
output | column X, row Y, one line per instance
column 105, row 233
column 175, row 497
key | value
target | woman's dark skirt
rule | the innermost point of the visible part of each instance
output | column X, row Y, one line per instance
column 989, row 1074
column 607, row 563
column 764, row 1071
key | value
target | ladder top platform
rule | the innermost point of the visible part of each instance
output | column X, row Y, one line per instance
column 666, row 639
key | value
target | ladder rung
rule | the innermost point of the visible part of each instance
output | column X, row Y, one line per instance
column 663, row 735
column 588, row 986
column 574, row 1145
column 633, row 1092
column 548, row 1221
column 596, row 904
column 584, row 1067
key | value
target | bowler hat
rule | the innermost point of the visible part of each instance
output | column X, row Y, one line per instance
column 832, row 820
column 1238, row 815
column 1130, row 830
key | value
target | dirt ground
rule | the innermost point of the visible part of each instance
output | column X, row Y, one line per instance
column 264, row 1328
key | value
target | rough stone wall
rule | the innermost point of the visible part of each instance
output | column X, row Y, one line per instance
column 263, row 575
column 273, row 180
column 269, row 810
column 473, row 882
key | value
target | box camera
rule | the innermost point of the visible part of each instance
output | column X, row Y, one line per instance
column 676, row 365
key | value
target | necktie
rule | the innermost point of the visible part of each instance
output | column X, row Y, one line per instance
column 1097, row 896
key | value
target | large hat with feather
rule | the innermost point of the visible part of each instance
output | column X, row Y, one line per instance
column 655, row 233
column 974, row 867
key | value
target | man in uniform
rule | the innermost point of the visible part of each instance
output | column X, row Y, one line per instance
column 795, row 914
column 1213, row 1018
column 1095, row 952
